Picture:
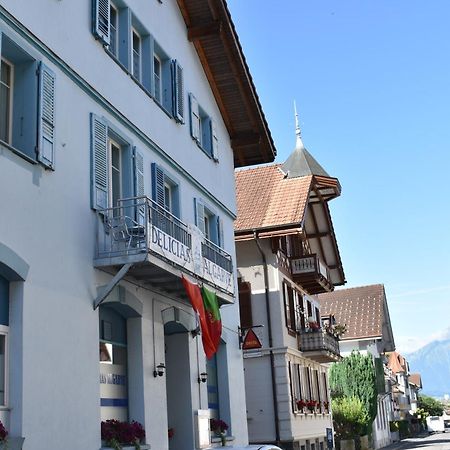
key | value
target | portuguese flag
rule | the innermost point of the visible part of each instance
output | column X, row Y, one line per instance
column 205, row 304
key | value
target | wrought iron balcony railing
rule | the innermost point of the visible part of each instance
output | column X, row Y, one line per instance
column 139, row 226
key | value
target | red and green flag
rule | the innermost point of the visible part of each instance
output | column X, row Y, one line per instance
column 205, row 304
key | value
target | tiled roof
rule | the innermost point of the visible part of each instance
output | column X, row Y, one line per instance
column 361, row 309
column 265, row 198
column 397, row 363
column 416, row 379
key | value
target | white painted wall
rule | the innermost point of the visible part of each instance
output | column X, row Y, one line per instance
column 46, row 219
column 258, row 379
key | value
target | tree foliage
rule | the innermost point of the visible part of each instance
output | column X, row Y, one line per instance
column 349, row 417
column 430, row 405
column 355, row 376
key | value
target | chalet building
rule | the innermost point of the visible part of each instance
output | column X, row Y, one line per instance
column 119, row 136
column 364, row 312
column 286, row 253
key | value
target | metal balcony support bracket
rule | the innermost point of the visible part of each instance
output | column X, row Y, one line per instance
column 111, row 285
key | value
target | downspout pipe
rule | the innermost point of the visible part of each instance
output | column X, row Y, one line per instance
column 269, row 330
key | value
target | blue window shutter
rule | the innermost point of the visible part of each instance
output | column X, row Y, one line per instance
column 195, row 117
column 178, row 92
column 214, row 141
column 125, row 47
column 139, row 182
column 147, row 62
column 46, row 117
column 100, row 25
column 199, row 214
column 167, row 100
column 99, row 162
column 158, row 184
column 220, row 241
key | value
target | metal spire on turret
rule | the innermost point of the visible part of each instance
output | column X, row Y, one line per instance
column 301, row 163
column 298, row 143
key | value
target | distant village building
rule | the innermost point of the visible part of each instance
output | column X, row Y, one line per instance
column 364, row 312
column 121, row 124
column 286, row 253
column 405, row 389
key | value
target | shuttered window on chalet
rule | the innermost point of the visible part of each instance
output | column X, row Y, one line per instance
column 289, row 308
column 245, row 304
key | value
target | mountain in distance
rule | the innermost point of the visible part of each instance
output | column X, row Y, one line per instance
column 433, row 363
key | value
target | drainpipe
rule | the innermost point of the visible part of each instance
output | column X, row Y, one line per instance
column 269, row 330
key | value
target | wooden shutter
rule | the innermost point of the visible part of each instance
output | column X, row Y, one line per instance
column 195, row 117
column 245, row 304
column 199, row 214
column 214, row 141
column 287, row 314
column 46, row 117
column 178, row 92
column 101, row 9
column 293, row 406
column 291, row 307
column 139, row 183
column 300, row 378
column 308, row 383
column 99, row 163
column 158, row 185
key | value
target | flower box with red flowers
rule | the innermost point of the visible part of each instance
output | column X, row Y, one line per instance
column 301, row 405
column 311, row 405
column 123, row 435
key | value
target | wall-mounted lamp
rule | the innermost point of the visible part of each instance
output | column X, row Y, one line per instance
column 203, row 377
column 159, row 371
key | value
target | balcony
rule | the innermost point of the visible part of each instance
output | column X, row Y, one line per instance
column 158, row 248
column 312, row 274
column 320, row 345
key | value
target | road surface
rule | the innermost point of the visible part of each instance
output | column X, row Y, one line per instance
column 437, row 441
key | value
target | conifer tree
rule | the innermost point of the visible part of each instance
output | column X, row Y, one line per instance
column 354, row 376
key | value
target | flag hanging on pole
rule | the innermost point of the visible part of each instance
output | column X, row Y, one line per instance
column 205, row 304
column 213, row 318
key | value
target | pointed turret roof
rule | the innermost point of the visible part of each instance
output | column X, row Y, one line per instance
column 301, row 163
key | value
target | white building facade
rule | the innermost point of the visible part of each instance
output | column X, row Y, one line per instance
column 287, row 252
column 117, row 173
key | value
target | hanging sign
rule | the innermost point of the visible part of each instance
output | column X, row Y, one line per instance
column 251, row 341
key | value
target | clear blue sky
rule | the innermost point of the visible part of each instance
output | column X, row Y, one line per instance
column 372, row 83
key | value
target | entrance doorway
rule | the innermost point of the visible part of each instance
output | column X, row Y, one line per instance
column 178, row 386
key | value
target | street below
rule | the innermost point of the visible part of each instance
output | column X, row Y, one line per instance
column 437, row 441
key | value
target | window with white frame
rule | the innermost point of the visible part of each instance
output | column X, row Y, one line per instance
column 27, row 92
column 6, row 92
column 157, row 80
column 117, row 166
column 136, row 55
column 203, row 128
column 209, row 222
column 129, row 42
column 113, row 31
column 115, row 172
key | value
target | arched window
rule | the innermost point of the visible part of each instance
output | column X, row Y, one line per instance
column 4, row 329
